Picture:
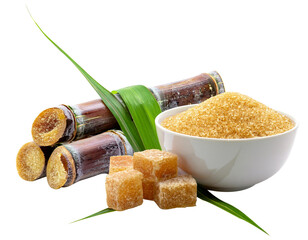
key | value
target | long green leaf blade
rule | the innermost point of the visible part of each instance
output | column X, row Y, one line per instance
column 118, row 110
column 143, row 108
column 106, row 210
column 205, row 195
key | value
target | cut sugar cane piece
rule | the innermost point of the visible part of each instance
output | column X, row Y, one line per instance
column 53, row 125
column 31, row 161
column 66, row 123
column 189, row 91
column 60, row 168
column 85, row 158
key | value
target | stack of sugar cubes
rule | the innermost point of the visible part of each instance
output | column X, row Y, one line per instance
column 151, row 174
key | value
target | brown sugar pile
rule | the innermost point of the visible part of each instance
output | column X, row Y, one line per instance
column 229, row 115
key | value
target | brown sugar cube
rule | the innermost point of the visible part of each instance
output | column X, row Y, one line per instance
column 176, row 192
column 124, row 189
column 148, row 185
column 155, row 163
column 120, row 163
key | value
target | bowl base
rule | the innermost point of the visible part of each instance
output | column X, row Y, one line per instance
column 231, row 189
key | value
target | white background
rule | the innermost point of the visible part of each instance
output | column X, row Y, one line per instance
column 260, row 49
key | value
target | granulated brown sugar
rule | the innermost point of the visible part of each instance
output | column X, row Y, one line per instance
column 229, row 115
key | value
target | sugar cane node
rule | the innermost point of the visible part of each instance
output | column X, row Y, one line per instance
column 30, row 162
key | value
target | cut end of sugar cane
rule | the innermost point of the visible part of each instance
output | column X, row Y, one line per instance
column 30, row 162
column 49, row 127
column 60, row 169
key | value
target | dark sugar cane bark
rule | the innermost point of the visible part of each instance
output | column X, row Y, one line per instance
column 85, row 158
column 91, row 118
column 67, row 123
column 190, row 91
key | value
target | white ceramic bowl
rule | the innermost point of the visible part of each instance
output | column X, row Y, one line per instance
column 226, row 164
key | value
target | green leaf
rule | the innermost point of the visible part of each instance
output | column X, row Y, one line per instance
column 205, row 195
column 106, row 210
column 143, row 108
column 117, row 109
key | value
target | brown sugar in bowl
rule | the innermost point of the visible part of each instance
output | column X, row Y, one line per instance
column 229, row 163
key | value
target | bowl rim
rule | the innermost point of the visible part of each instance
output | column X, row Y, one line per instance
column 159, row 119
